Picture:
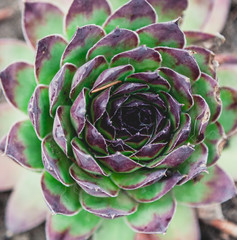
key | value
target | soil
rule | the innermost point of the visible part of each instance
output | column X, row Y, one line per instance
column 10, row 26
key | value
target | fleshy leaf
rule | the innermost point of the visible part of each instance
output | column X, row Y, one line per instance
column 142, row 59
column 26, row 207
column 55, row 161
column 108, row 207
column 215, row 140
column 162, row 34
column 184, row 225
column 116, row 228
column 169, row 10
column 137, row 179
column 118, row 41
column 180, row 61
column 98, row 186
column 83, row 39
column 87, row 74
column 133, row 15
column 83, row 12
column 208, row 88
column 59, row 198
column 13, row 50
column 208, row 189
column 119, row 163
column 48, row 56
column 40, row 20
column 18, row 83
column 228, row 117
column 63, row 131
column 85, row 160
column 156, row 190
column 38, row 110
column 153, row 217
column 59, row 87
column 80, row 226
column 23, row 146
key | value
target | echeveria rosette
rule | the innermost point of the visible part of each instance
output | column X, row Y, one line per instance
column 123, row 121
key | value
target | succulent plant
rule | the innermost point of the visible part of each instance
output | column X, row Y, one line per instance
column 126, row 116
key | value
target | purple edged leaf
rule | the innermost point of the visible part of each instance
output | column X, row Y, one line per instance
column 78, row 227
column 14, row 50
column 95, row 139
column 208, row 88
column 133, row 15
column 162, row 34
column 182, row 133
column 78, row 111
column 137, row 141
column 127, row 88
column 18, row 83
column 142, row 59
column 153, row 217
column 181, row 61
column 118, row 41
column 195, row 164
column 208, row 189
column 215, row 139
column 173, row 159
column 99, row 104
column 85, row 160
column 119, row 163
column 59, row 198
column 111, row 77
column 63, row 131
column 40, row 20
column 169, row 10
column 206, row 40
column 87, row 74
column 83, row 39
column 59, row 87
column 55, row 161
column 23, row 146
column 152, row 79
column 83, row 12
column 200, row 115
column 174, row 108
column 229, row 110
column 156, row 190
column 137, row 179
column 163, row 134
column 98, row 186
column 26, row 208
column 48, row 56
column 109, row 207
column 38, row 111
column 180, row 86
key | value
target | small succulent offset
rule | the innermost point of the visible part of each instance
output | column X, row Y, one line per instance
column 126, row 116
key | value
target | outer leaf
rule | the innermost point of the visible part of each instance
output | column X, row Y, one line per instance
column 13, row 50
column 162, row 34
column 118, row 41
column 18, row 83
column 23, row 146
column 169, row 10
column 111, row 208
column 40, row 20
column 83, row 39
column 133, row 15
column 153, row 217
column 78, row 227
column 38, row 110
column 86, row 12
column 59, row 198
column 208, row 189
column 26, row 208
column 48, row 56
